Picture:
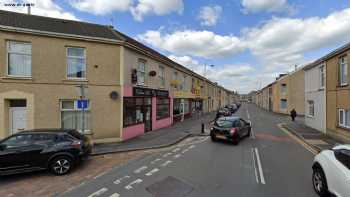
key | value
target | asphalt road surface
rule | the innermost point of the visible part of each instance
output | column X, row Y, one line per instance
column 269, row 163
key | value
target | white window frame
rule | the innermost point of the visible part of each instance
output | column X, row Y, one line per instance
column 161, row 76
column 309, row 102
column 76, row 57
column 141, row 72
column 345, row 64
column 342, row 122
column 10, row 52
column 286, row 101
column 322, row 75
column 75, row 109
column 283, row 89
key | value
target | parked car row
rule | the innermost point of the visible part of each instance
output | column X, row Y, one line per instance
column 228, row 110
column 57, row 150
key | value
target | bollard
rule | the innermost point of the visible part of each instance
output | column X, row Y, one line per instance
column 202, row 127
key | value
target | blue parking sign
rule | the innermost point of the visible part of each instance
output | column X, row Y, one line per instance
column 82, row 104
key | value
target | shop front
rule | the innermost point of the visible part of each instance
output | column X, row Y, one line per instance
column 182, row 105
column 145, row 110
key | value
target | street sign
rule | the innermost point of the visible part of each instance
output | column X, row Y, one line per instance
column 82, row 104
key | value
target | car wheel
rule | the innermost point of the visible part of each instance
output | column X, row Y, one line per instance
column 213, row 138
column 61, row 165
column 235, row 141
column 319, row 182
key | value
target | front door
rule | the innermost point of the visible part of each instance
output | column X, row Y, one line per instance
column 147, row 115
column 18, row 119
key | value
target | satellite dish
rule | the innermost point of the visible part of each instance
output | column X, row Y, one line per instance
column 114, row 95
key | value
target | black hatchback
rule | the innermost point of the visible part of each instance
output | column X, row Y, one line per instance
column 230, row 128
column 55, row 149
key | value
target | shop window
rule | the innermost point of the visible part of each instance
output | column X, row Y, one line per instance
column 76, row 61
column 72, row 117
column 163, row 108
column 19, row 56
column 132, row 111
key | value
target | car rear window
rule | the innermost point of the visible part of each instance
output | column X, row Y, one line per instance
column 223, row 123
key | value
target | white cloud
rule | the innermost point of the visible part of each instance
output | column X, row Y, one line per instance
column 139, row 9
column 254, row 6
column 157, row 7
column 283, row 41
column 101, row 7
column 209, row 15
column 41, row 7
column 195, row 43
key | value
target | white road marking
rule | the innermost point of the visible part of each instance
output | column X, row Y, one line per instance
column 261, row 173
column 192, row 146
column 118, row 181
column 167, row 154
column 166, row 163
column 248, row 114
column 255, row 170
column 115, row 195
column 252, row 133
column 177, row 155
column 130, row 185
column 185, row 150
column 98, row 192
column 99, row 175
column 176, row 150
column 150, row 173
column 155, row 161
column 140, row 169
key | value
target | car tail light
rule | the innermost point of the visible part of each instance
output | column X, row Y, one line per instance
column 233, row 131
column 76, row 144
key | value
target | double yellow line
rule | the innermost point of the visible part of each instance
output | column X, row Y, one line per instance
column 304, row 144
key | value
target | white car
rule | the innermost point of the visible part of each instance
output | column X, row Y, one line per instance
column 331, row 172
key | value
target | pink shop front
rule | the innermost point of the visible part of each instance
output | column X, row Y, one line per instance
column 145, row 110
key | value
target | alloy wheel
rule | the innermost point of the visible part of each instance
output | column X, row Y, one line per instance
column 61, row 166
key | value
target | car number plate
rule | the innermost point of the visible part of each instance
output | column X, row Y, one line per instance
column 221, row 137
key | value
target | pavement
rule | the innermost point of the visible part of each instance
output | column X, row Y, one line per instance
column 314, row 138
column 159, row 138
column 269, row 163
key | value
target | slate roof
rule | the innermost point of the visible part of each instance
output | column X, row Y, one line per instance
column 54, row 25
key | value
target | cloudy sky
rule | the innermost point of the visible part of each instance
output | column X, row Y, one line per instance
column 249, row 42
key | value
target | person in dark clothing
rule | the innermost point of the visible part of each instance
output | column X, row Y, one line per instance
column 293, row 114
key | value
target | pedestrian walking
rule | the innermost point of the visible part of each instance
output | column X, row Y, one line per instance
column 293, row 114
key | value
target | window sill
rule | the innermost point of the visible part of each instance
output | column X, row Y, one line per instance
column 74, row 80
column 342, row 86
column 135, row 124
column 17, row 78
column 162, row 118
column 309, row 116
column 342, row 127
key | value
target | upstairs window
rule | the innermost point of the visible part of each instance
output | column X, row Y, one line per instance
column 322, row 77
column 19, row 56
column 141, row 72
column 283, row 89
column 343, row 71
column 161, row 76
column 76, row 61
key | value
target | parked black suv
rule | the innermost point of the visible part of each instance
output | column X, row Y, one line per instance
column 55, row 149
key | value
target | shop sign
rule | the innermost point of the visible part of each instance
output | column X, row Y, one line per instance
column 150, row 92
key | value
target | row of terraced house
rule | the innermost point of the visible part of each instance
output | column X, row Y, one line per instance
column 319, row 91
column 130, row 88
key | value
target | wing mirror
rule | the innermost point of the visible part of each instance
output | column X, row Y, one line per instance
column 249, row 124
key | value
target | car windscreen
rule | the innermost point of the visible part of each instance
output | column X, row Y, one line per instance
column 223, row 123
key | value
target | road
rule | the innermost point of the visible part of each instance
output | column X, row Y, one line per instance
column 269, row 163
